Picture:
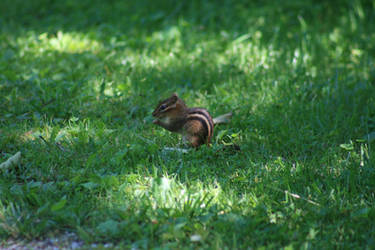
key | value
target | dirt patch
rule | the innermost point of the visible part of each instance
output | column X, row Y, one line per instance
column 65, row 241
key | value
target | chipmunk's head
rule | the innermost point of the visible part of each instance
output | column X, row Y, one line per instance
column 168, row 109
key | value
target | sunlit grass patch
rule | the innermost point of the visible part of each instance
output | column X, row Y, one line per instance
column 63, row 42
column 168, row 193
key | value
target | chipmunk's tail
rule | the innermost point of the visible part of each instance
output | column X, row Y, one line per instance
column 223, row 118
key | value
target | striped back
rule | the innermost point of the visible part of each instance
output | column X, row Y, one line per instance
column 204, row 118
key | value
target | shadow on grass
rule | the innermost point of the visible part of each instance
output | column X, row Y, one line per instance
column 101, row 90
column 306, row 118
column 120, row 19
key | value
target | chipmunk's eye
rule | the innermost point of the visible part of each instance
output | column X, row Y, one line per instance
column 162, row 107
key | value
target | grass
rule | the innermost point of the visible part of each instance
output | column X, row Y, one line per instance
column 78, row 83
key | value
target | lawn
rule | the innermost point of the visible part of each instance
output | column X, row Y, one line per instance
column 80, row 79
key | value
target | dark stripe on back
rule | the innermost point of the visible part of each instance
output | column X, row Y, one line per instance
column 205, row 114
column 202, row 121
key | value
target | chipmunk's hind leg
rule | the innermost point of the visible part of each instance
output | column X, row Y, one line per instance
column 194, row 140
column 194, row 134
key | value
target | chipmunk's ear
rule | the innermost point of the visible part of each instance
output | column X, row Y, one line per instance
column 174, row 97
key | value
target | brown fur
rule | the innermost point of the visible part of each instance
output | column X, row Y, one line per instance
column 195, row 124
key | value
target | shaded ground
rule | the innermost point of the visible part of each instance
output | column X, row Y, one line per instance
column 79, row 80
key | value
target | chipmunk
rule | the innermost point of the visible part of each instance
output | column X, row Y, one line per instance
column 195, row 124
